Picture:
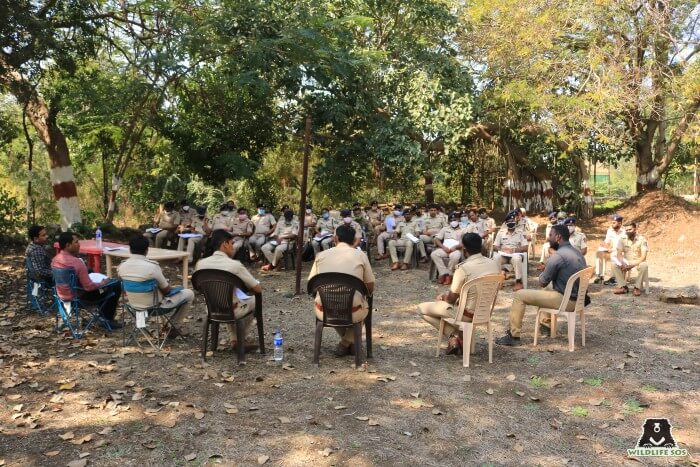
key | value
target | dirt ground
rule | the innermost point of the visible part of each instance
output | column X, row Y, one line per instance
column 113, row 405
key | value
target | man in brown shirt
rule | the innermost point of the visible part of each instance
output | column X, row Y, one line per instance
column 348, row 260
column 474, row 267
column 241, row 229
column 167, row 220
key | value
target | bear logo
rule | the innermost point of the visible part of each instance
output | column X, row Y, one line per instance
column 657, row 434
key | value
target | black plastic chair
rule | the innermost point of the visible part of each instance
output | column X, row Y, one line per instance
column 218, row 288
column 337, row 291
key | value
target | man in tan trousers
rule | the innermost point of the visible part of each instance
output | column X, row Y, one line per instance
column 509, row 246
column 564, row 263
column 348, row 260
column 222, row 258
column 167, row 220
column 400, row 237
column 474, row 267
column 453, row 251
column 629, row 253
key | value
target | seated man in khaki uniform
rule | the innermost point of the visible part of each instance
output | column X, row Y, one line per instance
column 139, row 269
column 474, row 267
column 452, row 235
column 488, row 226
column 198, row 225
column 222, row 259
column 264, row 223
column 629, row 253
column 325, row 226
column 222, row 219
column 310, row 220
column 432, row 224
column 168, row 220
column 241, row 229
column 348, row 260
column 186, row 215
column 400, row 237
column 577, row 238
column 284, row 236
column 564, row 263
column 376, row 219
column 508, row 246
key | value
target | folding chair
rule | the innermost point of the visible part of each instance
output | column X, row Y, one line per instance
column 218, row 288
column 487, row 288
column 583, row 277
column 139, row 315
column 69, row 310
column 337, row 291
column 39, row 293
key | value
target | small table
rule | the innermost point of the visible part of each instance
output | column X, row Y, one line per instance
column 89, row 248
column 156, row 254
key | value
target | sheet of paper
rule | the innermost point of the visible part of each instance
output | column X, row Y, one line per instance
column 241, row 295
column 35, row 289
column 116, row 248
column 412, row 238
column 450, row 243
column 273, row 242
column 602, row 249
column 190, row 235
column 141, row 319
column 97, row 277
column 510, row 255
column 154, row 230
column 617, row 261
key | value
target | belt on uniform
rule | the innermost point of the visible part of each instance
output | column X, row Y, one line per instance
column 354, row 309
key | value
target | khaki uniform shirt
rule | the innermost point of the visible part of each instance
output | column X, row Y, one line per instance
column 187, row 216
column 473, row 267
column 489, row 224
column 357, row 227
column 448, row 232
column 434, row 224
column 239, row 227
column 221, row 221
column 329, row 225
column 375, row 217
column 198, row 224
column 578, row 240
column 219, row 260
column 632, row 250
column 139, row 269
column 510, row 240
column 612, row 237
column 403, row 228
column 475, row 227
column 286, row 230
column 168, row 220
column 265, row 224
column 348, row 260
column 310, row 220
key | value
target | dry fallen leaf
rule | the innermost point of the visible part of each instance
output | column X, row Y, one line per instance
column 340, row 407
column 130, row 384
column 510, row 377
column 67, row 436
column 52, row 453
column 263, row 459
column 199, row 415
column 518, row 448
column 232, row 410
column 520, row 393
column 595, row 402
column 84, row 439
column 489, row 391
column 190, row 457
column 66, row 386
column 284, row 419
column 414, row 374
column 436, row 412
column 78, row 463
column 105, row 431
column 362, row 419
column 415, row 394
column 372, row 422
column 326, row 452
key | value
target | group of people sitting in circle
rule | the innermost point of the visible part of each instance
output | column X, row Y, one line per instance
column 462, row 243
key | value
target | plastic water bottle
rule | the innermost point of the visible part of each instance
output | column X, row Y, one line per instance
column 98, row 237
column 278, row 355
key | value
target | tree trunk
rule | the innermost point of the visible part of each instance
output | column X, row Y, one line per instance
column 44, row 122
column 429, row 193
column 586, row 193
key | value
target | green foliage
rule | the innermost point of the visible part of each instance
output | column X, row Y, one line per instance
column 596, row 381
column 632, row 406
column 579, row 411
column 12, row 219
column 538, row 382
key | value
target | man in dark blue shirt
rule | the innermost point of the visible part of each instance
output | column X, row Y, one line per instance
column 565, row 262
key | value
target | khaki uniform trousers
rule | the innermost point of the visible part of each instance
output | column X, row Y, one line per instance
column 539, row 298
column 438, row 256
column 321, row 245
column 424, row 239
column 545, row 252
column 243, row 307
column 238, row 243
column 256, row 243
column 160, row 238
column 185, row 295
column 515, row 260
column 600, row 257
column 347, row 337
column 642, row 273
column 382, row 238
column 274, row 253
column 431, row 312
column 407, row 244
column 191, row 245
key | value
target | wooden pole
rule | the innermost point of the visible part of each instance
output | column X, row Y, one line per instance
column 302, row 203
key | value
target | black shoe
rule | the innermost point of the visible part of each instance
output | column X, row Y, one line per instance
column 610, row 281
column 508, row 339
column 113, row 325
column 545, row 331
column 598, row 280
column 342, row 351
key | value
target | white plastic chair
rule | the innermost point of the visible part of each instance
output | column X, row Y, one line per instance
column 584, row 277
column 487, row 288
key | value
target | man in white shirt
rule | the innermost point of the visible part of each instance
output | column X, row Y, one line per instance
column 612, row 237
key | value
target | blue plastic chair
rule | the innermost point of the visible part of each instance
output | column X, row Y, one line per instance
column 69, row 310
column 162, row 315
column 39, row 293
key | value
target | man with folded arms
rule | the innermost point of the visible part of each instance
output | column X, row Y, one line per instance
column 509, row 246
column 474, row 267
column 629, row 253
column 448, row 244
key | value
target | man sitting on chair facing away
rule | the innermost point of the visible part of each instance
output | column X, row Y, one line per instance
column 347, row 260
column 222, row 258
column 564, row 263
column 474, row 267
column 140, row 269
column 68, row 258
column 629, row 253
column 39, row 261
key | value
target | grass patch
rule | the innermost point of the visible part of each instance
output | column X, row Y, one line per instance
column 579, row 411
column 532, row 407
column 534, row 360
column 649, row 388
column 632, row 406
column 595, row 382
column 537, row 382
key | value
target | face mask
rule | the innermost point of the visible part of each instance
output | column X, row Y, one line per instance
column 454, row 224
column 347, row 220
column 464, row 220
column 572, row 228
column 243, row 216
column 554, row 245
column 261, row 212
column 185, row 208
column 288, row 218
column 326, row 215
column 510, row 225
column 308, row 211
column 397, row 213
